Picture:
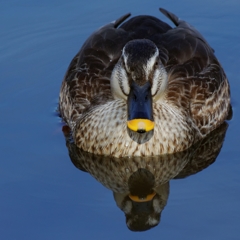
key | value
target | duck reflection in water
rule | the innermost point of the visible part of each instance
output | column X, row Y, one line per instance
column 144, row 202
column 141, row 184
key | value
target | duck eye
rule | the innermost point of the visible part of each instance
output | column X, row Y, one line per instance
column 156, row 63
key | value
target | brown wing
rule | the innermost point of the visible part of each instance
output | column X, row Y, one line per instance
column 197, row 81
column 89, row 72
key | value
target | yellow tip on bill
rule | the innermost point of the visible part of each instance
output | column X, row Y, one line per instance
column 148, row 198
column 140, row 125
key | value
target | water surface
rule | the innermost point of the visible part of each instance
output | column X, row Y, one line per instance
column 43, row 196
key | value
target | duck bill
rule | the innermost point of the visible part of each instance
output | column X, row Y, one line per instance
column 140, row 113
column 148, row 198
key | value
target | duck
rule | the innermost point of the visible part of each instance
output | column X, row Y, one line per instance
column 140, row 87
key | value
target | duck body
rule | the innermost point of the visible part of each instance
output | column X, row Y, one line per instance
column 189, row 91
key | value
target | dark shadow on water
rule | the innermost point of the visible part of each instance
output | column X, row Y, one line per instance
column 140, row 185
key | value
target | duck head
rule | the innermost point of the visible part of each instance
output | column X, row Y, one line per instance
column 140, row 79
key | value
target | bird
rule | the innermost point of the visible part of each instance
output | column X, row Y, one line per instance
column 140, row 87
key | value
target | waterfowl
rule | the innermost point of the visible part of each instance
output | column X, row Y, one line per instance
column 142, row 88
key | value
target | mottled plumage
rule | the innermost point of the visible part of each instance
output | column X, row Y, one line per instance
column 190, row 91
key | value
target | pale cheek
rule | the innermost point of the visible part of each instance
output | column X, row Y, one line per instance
column 123, row 82
column 156, row 83
column 128, row 207
column 159, row 84
column 118, row 84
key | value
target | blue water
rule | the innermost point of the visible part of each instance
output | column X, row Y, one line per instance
column 43, row 196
